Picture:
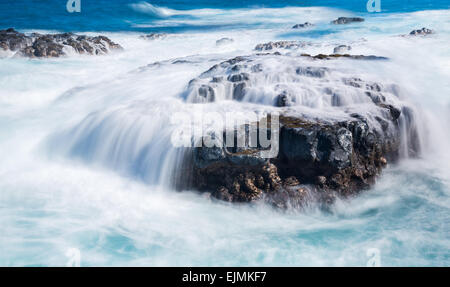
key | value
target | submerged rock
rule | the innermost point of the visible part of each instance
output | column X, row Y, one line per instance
column 12, row 40
column 304, row 25
column 280, row 45
column 154, row 36
column 318, row 158
column 321, row 155
column 347, row 20
column 335, row 56
column 224, row 41
column 341, row 49
column 235, row 79
column 38, row 45
column 421, row 32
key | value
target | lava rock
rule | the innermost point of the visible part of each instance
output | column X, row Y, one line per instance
column 279, row 45
column 336, row 56
column 341, row 49
column 12, row 40
column 304, row 25
column 347, row 20
column 38, row 45
column 343, row 157
column 316, row 72
column 283, row 100
column 320, row 157
column 421, row 32
column 224, row 41
column 154, row 36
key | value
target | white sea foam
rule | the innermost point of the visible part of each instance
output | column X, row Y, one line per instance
column 87, row 159
column 153, row 10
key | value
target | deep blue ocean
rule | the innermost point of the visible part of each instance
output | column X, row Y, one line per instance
column 117, row 15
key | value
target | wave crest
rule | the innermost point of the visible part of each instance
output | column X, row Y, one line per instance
column 153, row 10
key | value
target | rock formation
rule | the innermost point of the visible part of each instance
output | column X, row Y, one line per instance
column 280, row 45
column 38, row 45
column 342, row 49
column 154, row 36
column 421, row 32
column 320, row 155
column 347, row 20
column 304, row 25
column 224, row 41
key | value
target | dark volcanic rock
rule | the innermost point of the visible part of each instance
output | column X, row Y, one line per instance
column 280, row 45
column 320, row 156
column 335, row 56
column 284, row 100
column 154, row 36
column 13, row 40
column 347, row 20
column 316, row 72
column 53, row 45
column 234, row 78
column 304, row 25
column 341, row 49
column 326, row 158
column 224, row 41
column 421, row 32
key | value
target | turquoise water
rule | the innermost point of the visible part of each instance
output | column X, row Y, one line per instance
column 84, row 164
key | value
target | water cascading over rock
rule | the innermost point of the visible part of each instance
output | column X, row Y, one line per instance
column 336, row 130
column 37, row 45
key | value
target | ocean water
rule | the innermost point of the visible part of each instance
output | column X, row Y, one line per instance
column 86, row 163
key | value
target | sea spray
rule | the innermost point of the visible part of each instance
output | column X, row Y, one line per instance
column 51, row 202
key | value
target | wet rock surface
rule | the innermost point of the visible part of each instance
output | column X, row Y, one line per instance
column 347, row 20
column 304, row 25
column 342, row 49
column 234, row 79
column 37, row 45
column 421, row 32
column 336, row 56
column 224, row 41
column 154, row 36
column 319, row 157
column 280, row 45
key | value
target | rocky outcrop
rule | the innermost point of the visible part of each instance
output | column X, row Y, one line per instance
column 232, row 79
column 321, row 155
column 421, row 32
column 342, row 49
column 336, row 56
column 224, row 41
column 304, row 25
column 347, row 20
column 154, row 36
column 280, row 45
column 37, row 45
column 316, row 158
column 12, row 40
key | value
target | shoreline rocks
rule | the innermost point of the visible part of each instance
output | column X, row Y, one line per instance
column 318, row 159
column 341, row 49
column 421, row 32
column 347, row 20
column 321, row 156
column 280, row 45
column 37, row 45
column 154, row 36
column 336, row 56
column 224, row 41
column 304, row 25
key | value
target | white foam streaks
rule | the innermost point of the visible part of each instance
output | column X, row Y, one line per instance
column 88, row 162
